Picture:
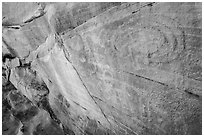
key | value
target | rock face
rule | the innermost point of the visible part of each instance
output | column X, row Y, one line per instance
column 102, row 68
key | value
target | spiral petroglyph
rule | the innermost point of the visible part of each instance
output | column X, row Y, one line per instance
column 151, row 40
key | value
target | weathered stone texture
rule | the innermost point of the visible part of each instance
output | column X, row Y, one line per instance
column 102, row 68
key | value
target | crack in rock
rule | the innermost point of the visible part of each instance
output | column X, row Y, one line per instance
column 89, row 92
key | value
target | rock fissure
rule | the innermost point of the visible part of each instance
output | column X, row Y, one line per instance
column 145, row 78
column 164, row 84
column 89, row 93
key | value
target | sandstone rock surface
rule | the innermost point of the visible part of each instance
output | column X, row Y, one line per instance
column 102, row 68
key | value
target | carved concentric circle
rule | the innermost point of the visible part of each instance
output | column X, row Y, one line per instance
column 155, row 39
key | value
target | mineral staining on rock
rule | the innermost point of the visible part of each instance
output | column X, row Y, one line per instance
column 102, row 68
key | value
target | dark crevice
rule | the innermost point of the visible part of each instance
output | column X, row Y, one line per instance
column 79, row 105
column 98, row 98
column 34, row 18
column 12, row 27
column 164, row 84
column 149, row 4
column 67, row 131
column 192, row 94
column 145, row 78
column 7, row 24
column 7, row 56
column 115, row 48
column 9, row 74
column 24, row 65
column 44, row 103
